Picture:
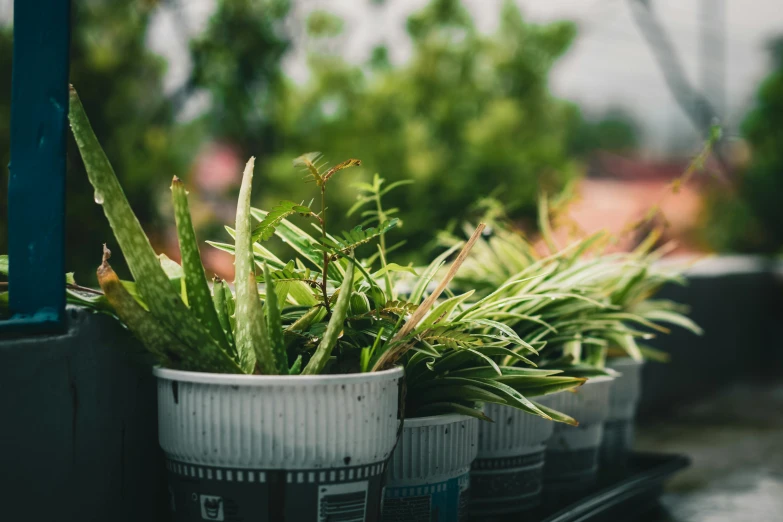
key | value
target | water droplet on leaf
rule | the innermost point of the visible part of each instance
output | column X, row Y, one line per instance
column 98, row 198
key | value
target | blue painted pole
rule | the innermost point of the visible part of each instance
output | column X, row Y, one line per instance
column 36, row 187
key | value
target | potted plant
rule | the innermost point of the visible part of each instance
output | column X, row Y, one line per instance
column 548, row 302
column 632, row 286
column 255, row 422
column 447, row 357
column 602, row 303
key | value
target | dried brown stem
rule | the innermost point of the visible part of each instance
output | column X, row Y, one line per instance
column 388, row 359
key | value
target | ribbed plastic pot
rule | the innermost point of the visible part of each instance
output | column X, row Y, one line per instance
column 624, row 398
column 272, row 448
column 429, row 473
column 507, row 475
column 571, row 465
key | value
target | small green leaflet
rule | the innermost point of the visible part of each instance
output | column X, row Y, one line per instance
column 355, row 238
column 266, row 229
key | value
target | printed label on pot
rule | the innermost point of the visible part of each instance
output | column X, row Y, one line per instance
column 445, row 501
column 507, row 484
column 350, row 494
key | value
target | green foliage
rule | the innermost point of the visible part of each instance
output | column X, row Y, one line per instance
column 468, row 115
column 749, row 218
column 613, row 131
column 573, row 306
column 121, row 80
column 266, row 229
column 237, row 61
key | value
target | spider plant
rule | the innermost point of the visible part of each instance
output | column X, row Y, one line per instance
column 582, row 305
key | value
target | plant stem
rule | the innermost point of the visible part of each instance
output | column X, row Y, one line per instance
column 323, row 240
column 381, row 219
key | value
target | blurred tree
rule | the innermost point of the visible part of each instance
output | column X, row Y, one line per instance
column 468, row 115
column 614, row 131
column 119, row 82
column 237, row 61
column 751, row 218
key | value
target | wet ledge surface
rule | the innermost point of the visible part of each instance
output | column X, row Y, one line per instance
column 735, row 439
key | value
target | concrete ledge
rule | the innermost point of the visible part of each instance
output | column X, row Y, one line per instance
column 79, row 426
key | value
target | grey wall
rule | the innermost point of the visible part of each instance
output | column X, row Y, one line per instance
column 739, row 303
column 78, row 427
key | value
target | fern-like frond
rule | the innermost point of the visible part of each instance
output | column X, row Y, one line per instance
column 266, row 229
column 340, row 166
column 449, row 337
column 309, row 161
column 398, row 308
column 291, row 273
column 356, row 237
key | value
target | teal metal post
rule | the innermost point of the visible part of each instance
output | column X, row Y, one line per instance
column 36, row 187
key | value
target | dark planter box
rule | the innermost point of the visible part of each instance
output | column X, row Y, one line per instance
column 738, row 301
column 79, row 426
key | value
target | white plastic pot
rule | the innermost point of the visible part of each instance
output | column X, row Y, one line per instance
column 572, row 451
column 507, row 475
column 623, row 400
column 429, row 473
column 270, row 448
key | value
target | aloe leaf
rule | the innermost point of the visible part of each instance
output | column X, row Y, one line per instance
column 274, row 324
column 175, row 274
column 163, row 301
column 251, row 328
column 196, row 286
column 296, row 368
column 158, row 339
column 221, row 303
column 146, row 328
column 334, row 327
column 250, row 336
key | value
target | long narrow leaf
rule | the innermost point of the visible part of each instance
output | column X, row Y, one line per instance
column 199, row 296
column 339, row 312
column 163, row 301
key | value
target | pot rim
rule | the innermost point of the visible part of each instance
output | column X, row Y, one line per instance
column 614, row 362
column 594, row 380
column 436, row 420
column 236, row 379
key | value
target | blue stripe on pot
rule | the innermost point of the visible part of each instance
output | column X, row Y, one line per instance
column 428, row 478
column 507, row 475
column 251, row 447
column 572, row 452
column 624, row 398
